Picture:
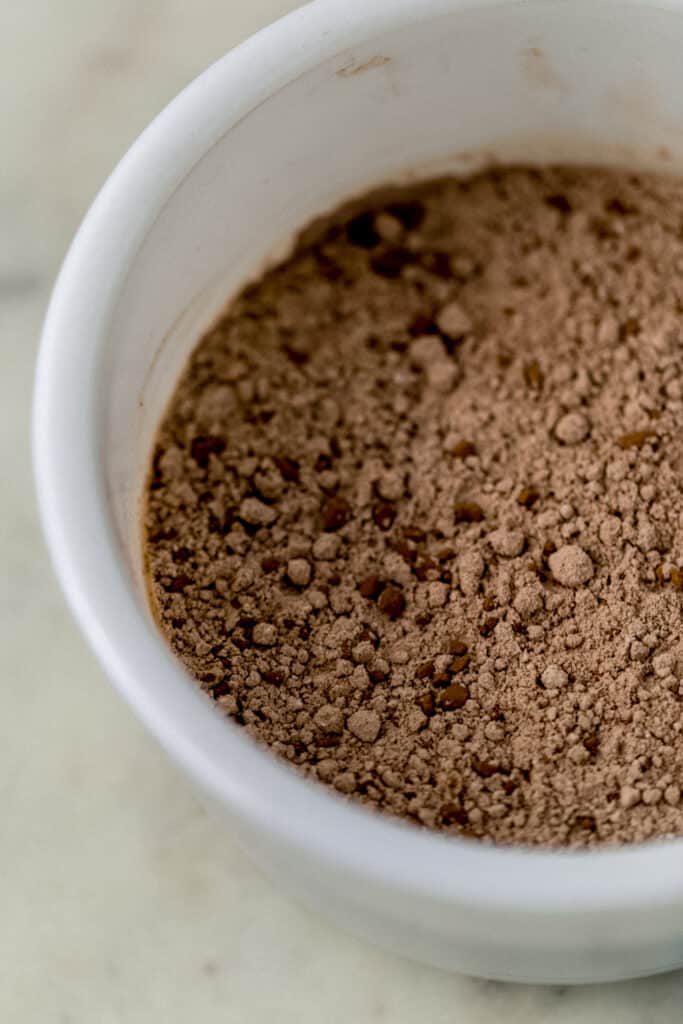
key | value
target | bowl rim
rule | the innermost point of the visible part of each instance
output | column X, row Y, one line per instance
column 267, row 795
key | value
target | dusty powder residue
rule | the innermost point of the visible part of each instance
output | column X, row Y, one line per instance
column 415, row 514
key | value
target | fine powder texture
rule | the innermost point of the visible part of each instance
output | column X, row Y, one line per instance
column 415, row 513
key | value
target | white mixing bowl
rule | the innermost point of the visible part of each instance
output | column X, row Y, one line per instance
column 337, row 97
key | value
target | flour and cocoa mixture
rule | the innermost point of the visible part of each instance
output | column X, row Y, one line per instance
column 415, row 517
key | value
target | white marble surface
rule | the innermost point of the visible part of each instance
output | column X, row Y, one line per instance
column 120, row 900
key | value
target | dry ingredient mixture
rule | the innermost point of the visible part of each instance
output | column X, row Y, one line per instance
column 415, row 516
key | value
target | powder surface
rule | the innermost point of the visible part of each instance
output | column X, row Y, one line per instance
column 415, row 514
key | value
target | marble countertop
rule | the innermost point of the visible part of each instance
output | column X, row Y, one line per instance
column 120, row 900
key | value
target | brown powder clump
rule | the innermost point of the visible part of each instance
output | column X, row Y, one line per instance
column 415, row 513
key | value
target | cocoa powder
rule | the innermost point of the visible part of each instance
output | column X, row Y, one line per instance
column 414, row 518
